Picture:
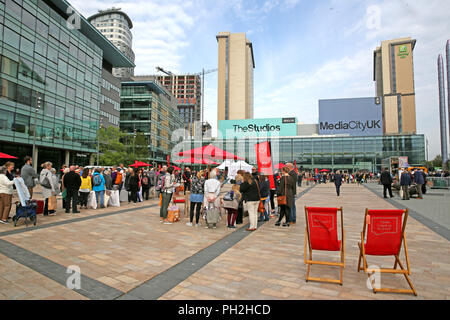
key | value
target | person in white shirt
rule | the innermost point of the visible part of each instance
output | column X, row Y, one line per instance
column 211, row 199
column 6, row 192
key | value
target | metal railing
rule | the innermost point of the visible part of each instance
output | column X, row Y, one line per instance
column 437, row 182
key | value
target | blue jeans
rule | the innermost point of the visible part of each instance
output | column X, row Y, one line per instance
column 293, row 217
column 99, row 193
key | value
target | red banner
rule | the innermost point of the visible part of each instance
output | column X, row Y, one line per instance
column 295, row 164
column 168, row 162
column 264, row 160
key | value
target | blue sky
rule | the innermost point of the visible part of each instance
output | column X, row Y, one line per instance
column 304, row 50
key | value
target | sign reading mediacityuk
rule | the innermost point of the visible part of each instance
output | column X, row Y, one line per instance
column 280, row 127
column 356, row 117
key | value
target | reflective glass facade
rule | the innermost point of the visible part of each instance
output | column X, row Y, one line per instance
column 148, row 108
column 41, row 57
column 328, row 152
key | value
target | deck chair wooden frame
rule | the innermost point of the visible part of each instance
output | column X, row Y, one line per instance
column 406, row 272
column 309, row 261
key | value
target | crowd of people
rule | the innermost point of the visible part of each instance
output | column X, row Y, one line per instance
column 251, row 192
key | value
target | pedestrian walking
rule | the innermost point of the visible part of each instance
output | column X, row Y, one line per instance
column 338, row 182
column 285, row 188
column 72, row 183
column 386, row 181
column 133, row 185
column 264, row 189
column 197, row 196
column 293, row 174
column 250, row 194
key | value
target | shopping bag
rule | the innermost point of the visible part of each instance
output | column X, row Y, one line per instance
column 52, row 205
column 114, row 200
column 106, row 200
column 92, row 200
column 123, row 196
column 173, row 214
column 160, row 199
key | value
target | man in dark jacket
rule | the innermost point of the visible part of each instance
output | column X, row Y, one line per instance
column 338, row 182
column 72, row 183
column 386, row 181
column 405, row 182
column 29, row 175
column 187, row 180
column 420, row 181
column 293, row 175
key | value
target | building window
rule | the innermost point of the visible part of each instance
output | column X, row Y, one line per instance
column 10, row 67
column 11, row 38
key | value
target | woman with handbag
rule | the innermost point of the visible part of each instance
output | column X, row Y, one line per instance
column 48, row 188
column 232, row 205
column 250, row 193
column 285, row 196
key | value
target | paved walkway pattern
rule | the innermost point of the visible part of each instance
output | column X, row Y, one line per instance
column 126, row 253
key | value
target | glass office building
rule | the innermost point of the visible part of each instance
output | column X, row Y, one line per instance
column 147, row 107
column 56, row 69
column 327, row 152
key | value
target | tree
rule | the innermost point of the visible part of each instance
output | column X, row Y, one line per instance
column 437, row 162
column 112, row 150
column 141, row 147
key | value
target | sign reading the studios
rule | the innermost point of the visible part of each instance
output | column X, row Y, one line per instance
column 356, row 117
column 282, row 127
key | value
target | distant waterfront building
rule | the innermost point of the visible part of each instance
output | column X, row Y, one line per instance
column 116, row 26
column 235, row 77
column 148, row 108
column 394, row 77
column 57, row 70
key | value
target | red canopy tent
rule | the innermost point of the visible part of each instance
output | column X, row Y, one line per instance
column 6, row 156
column 209, row 152
column 176, row 168
column 196, row 161
column 140, row 164
column 324, row 170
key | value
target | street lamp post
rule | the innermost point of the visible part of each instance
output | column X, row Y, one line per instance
column 38, row 106
column 134, row 140
column 98, row 141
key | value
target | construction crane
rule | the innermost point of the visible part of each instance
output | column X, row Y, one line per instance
column 203, row 84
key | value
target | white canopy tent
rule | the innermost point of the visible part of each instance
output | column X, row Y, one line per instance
column 226, row 163
column 236, row 166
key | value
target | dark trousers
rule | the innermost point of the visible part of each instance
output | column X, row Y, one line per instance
column 387, row 187
column 187, row 187
column 145, row 193
column 72, row 195
column 84, row 198
column 132, row 196
column 338, row 190
column 232, row 215
column 285, row 211
column 240, row 215
column 405, row 192
column 272, row 199
column 197, row 212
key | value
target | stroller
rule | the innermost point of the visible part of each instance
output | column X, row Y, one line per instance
column 25, row 208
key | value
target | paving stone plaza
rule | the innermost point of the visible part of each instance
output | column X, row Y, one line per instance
column 126, row 253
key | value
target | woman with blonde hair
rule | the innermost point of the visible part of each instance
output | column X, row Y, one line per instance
column 250, row 194
column 197, row 186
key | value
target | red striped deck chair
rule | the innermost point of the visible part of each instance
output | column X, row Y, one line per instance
column 383, row 235
column 322, row 234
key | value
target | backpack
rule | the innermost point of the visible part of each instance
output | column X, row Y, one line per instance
column 145, row 180
column 97, row 180
column 118, row 178
column 161, row 183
